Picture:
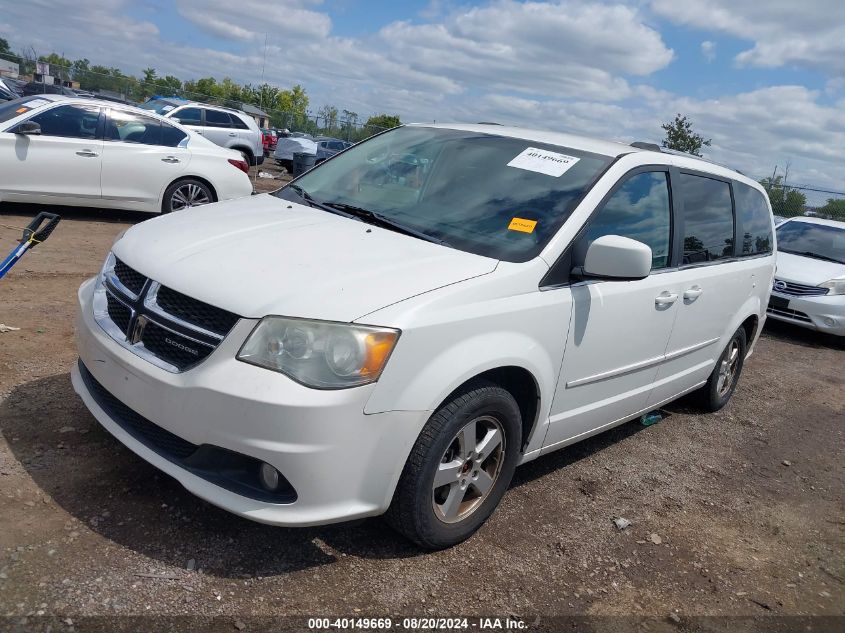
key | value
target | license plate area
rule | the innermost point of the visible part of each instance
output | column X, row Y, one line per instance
column 780, row 303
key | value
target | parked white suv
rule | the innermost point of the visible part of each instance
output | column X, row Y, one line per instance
column 399, row 328
column 226, row 127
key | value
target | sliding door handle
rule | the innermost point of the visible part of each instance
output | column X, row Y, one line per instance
column 665, row 299
column 693, row 293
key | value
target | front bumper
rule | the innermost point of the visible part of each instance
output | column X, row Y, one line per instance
column 341, row 463
column 825, row 313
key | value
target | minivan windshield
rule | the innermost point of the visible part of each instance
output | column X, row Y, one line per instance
column 819, row 241
column 11, row 109
column 491, row 195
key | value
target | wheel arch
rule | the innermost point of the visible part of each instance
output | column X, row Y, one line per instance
column 517, row 381
column 248, row 150
column 182, row 177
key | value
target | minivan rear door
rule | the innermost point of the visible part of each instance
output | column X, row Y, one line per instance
column 716, row 279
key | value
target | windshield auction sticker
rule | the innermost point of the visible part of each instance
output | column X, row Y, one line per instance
column 543, row 161
column 522, row 225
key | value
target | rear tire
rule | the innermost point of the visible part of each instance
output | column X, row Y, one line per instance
column 185, row 193
column 459, row 468
column 720, row 386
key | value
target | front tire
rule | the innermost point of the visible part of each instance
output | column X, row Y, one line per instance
column 722, row 382
column 185, row 193
column 459, row 469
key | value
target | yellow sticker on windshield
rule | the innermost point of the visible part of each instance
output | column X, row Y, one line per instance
column 522, row 225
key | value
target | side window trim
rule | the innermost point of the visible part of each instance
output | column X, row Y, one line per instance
column 558, row 275
column 728, row 181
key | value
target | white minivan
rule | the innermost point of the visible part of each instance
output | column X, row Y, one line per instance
column 398, row 329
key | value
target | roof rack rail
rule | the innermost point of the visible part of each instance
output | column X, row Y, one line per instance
column 654, row 147
column 665, row 150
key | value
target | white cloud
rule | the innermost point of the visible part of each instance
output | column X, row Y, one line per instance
column 577, row 65
column 807, row 33
column 251, row 19
column 571, row 47
column 708, row 49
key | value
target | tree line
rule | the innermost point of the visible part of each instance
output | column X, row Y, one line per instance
column 288, row 108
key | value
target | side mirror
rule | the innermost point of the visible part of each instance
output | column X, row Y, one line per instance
column 28, row 128
column 616, row 257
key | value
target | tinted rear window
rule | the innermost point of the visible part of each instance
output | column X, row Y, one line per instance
column 754, row 219
column 708, row 219
column 215, row 118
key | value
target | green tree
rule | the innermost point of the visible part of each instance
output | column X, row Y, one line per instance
column 6, row 52
column 59, row 66
column 785, row 200
column 680, row 136
column 834, row 209
column 328, row 117
column 382, row 121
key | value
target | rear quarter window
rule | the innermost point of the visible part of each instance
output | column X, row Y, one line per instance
column 753, row 221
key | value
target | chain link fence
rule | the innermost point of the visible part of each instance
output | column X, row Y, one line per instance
column 791, row 200
column 115, row 86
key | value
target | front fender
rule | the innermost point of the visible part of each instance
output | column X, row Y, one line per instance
column 432, row 361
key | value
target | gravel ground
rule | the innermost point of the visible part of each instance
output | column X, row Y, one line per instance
column 738, row 513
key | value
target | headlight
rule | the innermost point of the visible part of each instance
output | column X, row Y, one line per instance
column 835, row 286
column 320, row 354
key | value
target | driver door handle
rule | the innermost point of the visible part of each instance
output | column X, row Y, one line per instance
column 666, row 298
column 233, row 133
column 693, row 293
column 87, row 153
column 170, row 159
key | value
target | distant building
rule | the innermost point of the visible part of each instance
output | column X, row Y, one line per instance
column 261, row 117
column 9, row 69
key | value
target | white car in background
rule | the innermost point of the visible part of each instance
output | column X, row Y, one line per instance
column 809, row 286
column 88, row 152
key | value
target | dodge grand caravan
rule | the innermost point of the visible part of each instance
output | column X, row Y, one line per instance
column 398, row 329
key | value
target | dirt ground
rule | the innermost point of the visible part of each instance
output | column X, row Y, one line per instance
column 738, row 513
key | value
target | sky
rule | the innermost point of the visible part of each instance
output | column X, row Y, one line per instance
column 765, row 80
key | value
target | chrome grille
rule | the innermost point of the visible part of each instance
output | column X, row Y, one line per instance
column 167, row 328
column 797, row 290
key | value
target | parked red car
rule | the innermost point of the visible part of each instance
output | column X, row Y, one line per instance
column 269, row 138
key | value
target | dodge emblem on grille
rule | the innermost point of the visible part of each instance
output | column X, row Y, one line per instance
column 178, row 345
column 137, row 330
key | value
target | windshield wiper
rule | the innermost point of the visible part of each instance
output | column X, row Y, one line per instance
column 383, row 221
column 813, row 255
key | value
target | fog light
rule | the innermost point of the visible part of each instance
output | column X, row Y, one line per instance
column 269, row 476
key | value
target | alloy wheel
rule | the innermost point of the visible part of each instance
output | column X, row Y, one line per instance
column 189, row 195
column 727, row 368
column 468, row 469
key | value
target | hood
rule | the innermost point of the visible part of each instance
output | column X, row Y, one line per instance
column 806, row 270
column 262, row 255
